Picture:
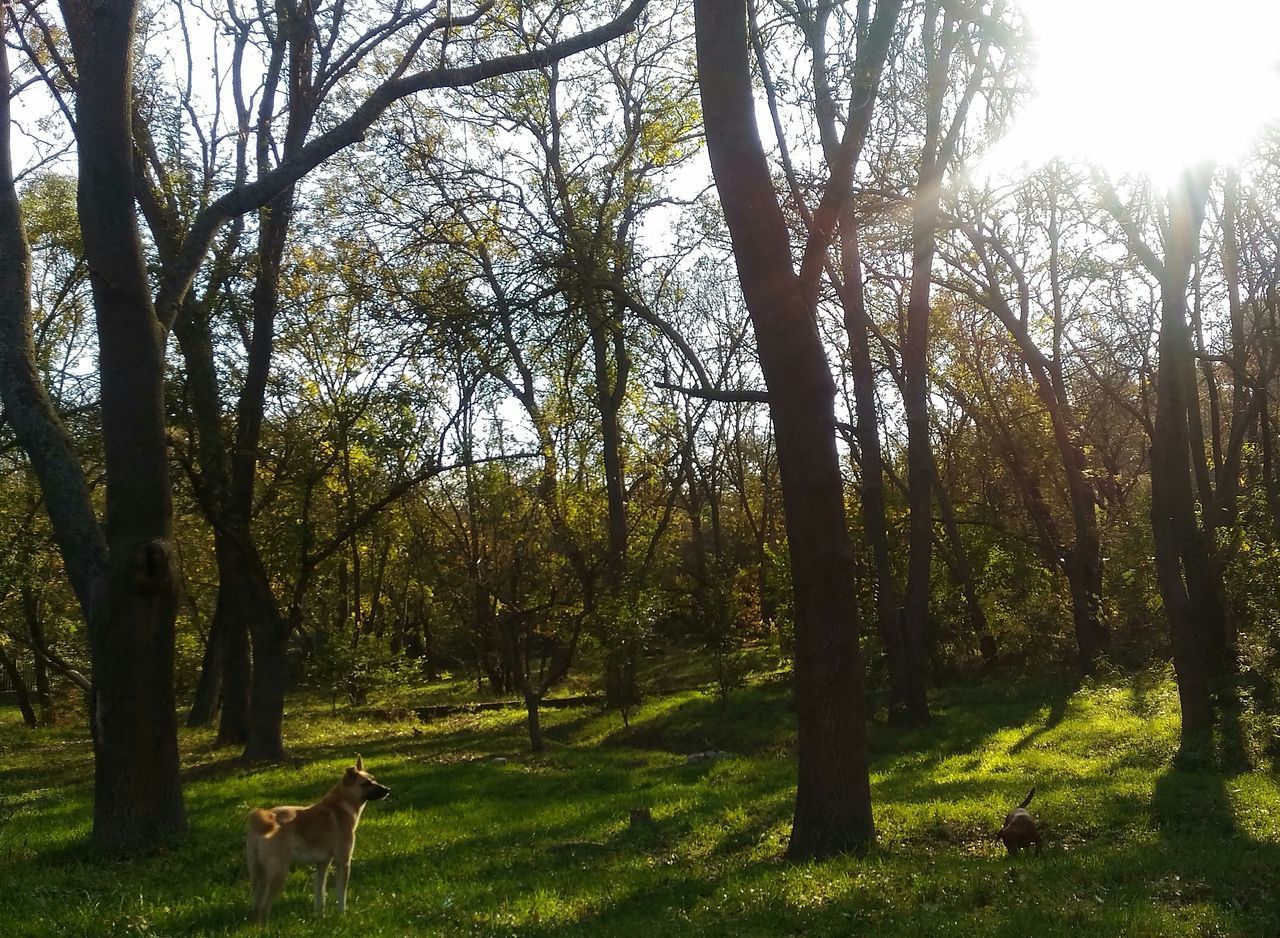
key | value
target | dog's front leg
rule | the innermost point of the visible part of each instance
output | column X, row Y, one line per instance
column 318, row 877
column 340, row 881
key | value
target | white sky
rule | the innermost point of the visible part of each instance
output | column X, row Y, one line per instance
column 1146, row 86
column 1130, row 85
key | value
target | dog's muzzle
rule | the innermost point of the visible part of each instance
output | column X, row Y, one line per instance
column 379, row 792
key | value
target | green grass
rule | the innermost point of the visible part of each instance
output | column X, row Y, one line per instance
column 541, row 846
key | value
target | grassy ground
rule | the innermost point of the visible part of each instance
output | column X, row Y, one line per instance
column 541, row 846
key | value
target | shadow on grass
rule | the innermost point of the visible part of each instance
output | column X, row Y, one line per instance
column 756, row 719
column 1057, row 710
column 465, row 846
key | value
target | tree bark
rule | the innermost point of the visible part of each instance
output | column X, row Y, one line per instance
column 270, row 633
column 915, row 368
column 1082, row 560
column 833, row 797
column 1181, row 556
column 204, row 703
column 246, row 608
column 195, row 341
column 137, row 790
column 606, row 335
column 236, row 606
column 937, row 151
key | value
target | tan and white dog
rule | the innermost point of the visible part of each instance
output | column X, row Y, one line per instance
column 318, row 835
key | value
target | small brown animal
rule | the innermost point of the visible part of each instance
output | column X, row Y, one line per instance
column 318, row 835
column 1020, row 830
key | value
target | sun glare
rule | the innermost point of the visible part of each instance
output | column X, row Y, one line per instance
column 1146, row 86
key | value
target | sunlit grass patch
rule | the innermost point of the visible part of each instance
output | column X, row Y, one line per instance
column 544, row 845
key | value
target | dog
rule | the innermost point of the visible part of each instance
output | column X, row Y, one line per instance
column 318, row 835
column 1020, row 830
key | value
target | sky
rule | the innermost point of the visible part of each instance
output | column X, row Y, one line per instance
column 1146, row 86
column 1133, row 86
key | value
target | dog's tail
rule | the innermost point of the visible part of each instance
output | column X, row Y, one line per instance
column 263, row 822
column 1027, row 800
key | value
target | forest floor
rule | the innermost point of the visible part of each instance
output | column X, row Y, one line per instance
column 541, row 846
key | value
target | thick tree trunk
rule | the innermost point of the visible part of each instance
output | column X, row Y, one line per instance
column 265, row 740
column 833, row 797
column 266, row 626
column 213, row 450
column 137, row 791
column 915, row 363
column 1181, row 556
column 1084, row 577
column 236, row 605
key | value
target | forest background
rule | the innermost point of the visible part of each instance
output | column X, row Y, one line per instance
column 344, row 349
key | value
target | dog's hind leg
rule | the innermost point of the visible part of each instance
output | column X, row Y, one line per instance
column 318, row 877
column 272, row 885
column 258, row 904
column 257, row 880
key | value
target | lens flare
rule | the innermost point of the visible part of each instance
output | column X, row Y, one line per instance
column 1145, row 86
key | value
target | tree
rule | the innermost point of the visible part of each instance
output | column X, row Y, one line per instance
column 123, row 572
column 1190, row 582
column 833, row 797
column 1081, row 559
column 132, row 601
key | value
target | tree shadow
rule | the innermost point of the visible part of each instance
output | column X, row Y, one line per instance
column 1191, row 801
column 1057, row 710
column 753, row 720
column 965, row 717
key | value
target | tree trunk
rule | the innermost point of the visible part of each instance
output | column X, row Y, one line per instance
column 1084, row 562
column 137, row 790
column 21, row 693
column 27, row 405
column 871, row 461
column 1181, row 557
column 266, row 627
column 246, row 607
column 236, row 606
column 531, row 703
column 915, row 368
column 915, row 365
column 610, row 391
column 213, row 451
column 833, row 796
column 40, row 648
column 270, row 632
column 204, row 703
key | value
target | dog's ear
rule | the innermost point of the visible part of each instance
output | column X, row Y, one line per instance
column 359, row 764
